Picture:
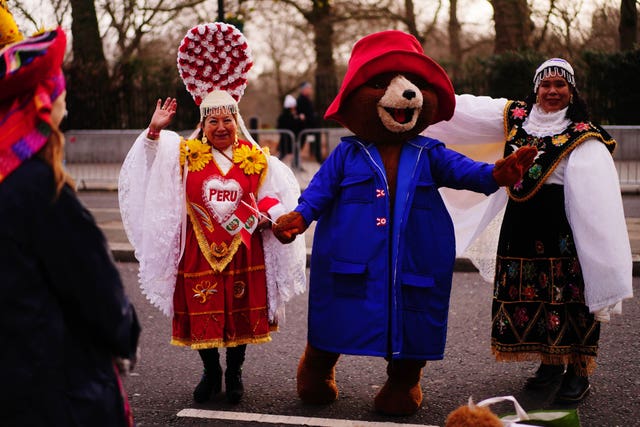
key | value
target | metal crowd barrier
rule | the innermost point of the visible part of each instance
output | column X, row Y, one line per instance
column 94, row 157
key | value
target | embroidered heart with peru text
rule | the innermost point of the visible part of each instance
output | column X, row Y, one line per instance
column 222, row 197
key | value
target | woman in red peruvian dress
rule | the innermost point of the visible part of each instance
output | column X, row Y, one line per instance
column 220, row 296
column 197, row 213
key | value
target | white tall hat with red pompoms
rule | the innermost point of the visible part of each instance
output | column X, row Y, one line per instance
column 213, row 61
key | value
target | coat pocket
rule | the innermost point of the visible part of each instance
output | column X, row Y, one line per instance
column 349, row 279
column 424, row 194
column 424, row 315
column 417, row 292
column 357, row 189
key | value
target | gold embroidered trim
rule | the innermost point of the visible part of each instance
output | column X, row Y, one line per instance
column 224, row 273
column 206, row 313
column 219, row 342
column 217, row 263
column 505, row 119
column 574, row 144
column 553, row 166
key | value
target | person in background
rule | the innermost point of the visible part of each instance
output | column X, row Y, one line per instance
column 307, row 114
column 197, row 212
column 65, row 317
column 288, row 120
column 569, row 269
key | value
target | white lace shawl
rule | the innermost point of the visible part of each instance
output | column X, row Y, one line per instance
column 152, row 205
column 593, row 200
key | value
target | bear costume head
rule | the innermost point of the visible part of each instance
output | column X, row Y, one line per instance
column 389, row 78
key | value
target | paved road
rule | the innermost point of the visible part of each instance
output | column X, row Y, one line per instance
column 164, row 379
column 162, row 384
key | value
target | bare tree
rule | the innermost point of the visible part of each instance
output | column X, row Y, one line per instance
column 87, row 70
column 544, row 29
column 319, row 14
column 569, row 32
column 628, row 27
column 322, row 17
column 33, row 12
column 513, row 25
column 454, row 39
column 604, row 34
column 131, row 20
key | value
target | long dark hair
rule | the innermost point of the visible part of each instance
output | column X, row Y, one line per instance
column 53, row 154
column 577, row 111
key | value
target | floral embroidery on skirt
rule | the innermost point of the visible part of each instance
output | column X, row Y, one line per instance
column 538, row 310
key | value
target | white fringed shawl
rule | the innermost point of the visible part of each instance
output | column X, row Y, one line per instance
column 152, row 205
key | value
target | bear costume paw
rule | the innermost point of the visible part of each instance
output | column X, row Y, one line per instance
column 401, row 394
column 316, row 376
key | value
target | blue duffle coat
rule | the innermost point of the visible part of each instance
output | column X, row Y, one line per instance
column 380, row 274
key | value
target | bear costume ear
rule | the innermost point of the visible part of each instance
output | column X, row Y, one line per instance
column 393, row 51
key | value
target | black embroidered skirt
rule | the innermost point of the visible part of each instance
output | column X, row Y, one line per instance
column 538, row 310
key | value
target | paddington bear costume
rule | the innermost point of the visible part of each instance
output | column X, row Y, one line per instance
column 384, row 245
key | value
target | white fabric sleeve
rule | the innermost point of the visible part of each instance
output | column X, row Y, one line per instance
column 152, row 207
column 285, row 265
column 477, row 131
column 593, row 203
column 476, row 120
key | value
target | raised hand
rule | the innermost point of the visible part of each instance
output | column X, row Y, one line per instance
column 509, row 171
column 162, row 115
column 288, row 226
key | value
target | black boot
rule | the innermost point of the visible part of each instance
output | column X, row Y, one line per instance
column 545, row 376
column 233, row 376
column 211, row 381
column 574, row 387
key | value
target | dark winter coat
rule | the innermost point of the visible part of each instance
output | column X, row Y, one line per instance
column 63, row 311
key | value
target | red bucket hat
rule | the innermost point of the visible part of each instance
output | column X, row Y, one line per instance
column 396, row 51
column 30, row 80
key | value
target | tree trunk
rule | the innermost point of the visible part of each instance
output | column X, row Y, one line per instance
column 221, row 10
column 87, row 75
column 628, row 28
column 455, row 48
column 326, row 80
column 513, row 25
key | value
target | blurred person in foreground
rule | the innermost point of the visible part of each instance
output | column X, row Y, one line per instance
column 65, row 318
column 569, row 269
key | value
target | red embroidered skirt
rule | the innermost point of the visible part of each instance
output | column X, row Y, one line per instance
column 222, row 309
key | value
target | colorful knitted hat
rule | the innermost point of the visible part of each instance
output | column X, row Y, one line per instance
column 393, row 51
column 213, row 61
column 30, row 80
column 9, row 32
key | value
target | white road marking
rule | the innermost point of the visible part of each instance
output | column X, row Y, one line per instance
column 285, row 419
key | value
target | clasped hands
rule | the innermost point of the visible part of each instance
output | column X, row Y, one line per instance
column 509, row 171
column 288, row 226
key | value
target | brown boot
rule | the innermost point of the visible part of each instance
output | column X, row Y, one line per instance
column 401, row 394
column 316, row 376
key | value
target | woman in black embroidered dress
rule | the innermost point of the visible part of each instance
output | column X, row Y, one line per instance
column 563, row 258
